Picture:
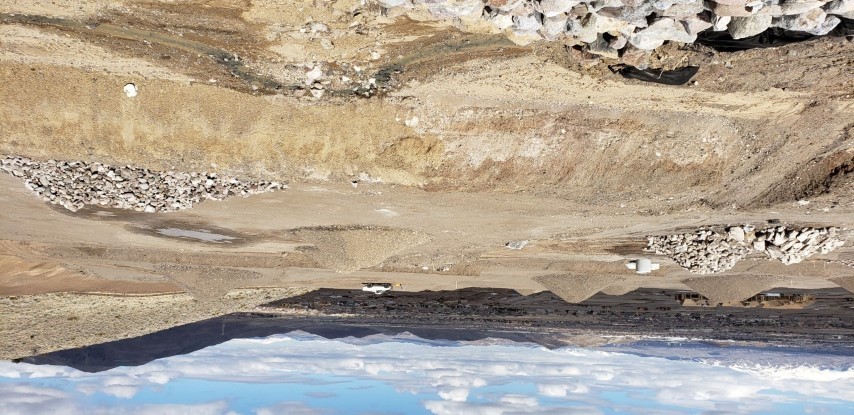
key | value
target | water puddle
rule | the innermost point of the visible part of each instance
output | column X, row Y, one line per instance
column 201, row 235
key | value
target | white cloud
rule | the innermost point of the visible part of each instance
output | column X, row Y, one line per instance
column 291, row 408
column 456, row 394
column 30, row 400
column 449, row 376
column 519, row 400
column 211, row 408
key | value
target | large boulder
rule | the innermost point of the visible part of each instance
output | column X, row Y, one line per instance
column 453, row 9
column 803, row 22
column 551, row 8
column 826, row 26
column 528, row 25
column 733, row 10
column 720, row 23
column 583, row 32
column 501, row 21
column 800, row 6
column 394, row 3
column 604, row 24
column 683, row 10
column 554, row 26
column 742, row 27
column 504, row 5
column 603, row 48
column 637, row 15
column 839, row 7
column 660, row 31
column 695, row 24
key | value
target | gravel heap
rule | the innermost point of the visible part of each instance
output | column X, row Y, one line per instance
column 608, row 26
column 733, row 288
column 575, row 288
column 706, row 251
column 846, row 282
column 74, row 184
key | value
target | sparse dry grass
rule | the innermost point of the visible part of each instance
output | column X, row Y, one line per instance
column 35, row 324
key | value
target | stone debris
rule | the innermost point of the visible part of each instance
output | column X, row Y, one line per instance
column 706, row 251
column 516, row 244
column 644, row 24
column 74, row 184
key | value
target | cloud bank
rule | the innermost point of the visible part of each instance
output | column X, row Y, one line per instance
column 397, row 375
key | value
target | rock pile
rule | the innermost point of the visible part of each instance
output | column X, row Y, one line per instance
column 74, row 184
column 706, row 251
column 608, row 26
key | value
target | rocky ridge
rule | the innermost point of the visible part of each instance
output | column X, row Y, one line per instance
column 74, row 184
column 707, row 251
column 614, row 28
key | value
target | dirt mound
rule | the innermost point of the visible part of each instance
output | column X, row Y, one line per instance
column 845, row 282
column 207, row 283
column 576, row 288
column 347, row 249
column 733, row 288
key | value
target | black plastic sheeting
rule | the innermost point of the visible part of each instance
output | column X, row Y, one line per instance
column 679, row 76
column 773, row 37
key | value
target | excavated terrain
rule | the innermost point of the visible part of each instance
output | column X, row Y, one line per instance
column 403, row 147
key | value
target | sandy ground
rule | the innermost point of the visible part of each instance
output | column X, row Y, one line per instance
column 475, row 142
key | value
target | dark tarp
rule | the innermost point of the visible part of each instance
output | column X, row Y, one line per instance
column 675, row 77
column 723, row 42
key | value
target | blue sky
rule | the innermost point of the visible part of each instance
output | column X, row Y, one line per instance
column 302, row 374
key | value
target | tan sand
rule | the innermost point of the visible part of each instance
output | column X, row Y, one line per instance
column 576, row 288
column 846, row 282
column 733, row 288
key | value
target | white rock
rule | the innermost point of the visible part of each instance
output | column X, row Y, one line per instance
column 516, row 244
column 736, row 233
column 829, row 23
column 802, row 22
column 313, row 75
column 504, row 5
column 603, row 48
column 450, row 9
column 742, row 27
column 584, row 33
column 799, row 6
column 528, row 24
column 393, row 3
column 839, row 7
column 695, row 25
column 502, row 21
column 551, row 8
column 130, row 90
column 683, row 10
column 554, row 26
column 660, row 31
column 720, row 9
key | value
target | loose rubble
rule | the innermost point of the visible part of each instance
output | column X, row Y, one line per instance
column 612, row 26
column 74, row 184
column 706, row 251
